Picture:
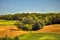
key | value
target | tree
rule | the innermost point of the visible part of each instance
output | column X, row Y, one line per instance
column 35, row 26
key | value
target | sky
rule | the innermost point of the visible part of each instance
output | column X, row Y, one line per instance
column 16, row 6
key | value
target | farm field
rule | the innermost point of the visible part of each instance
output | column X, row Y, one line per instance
column 51, row 28
column 43, row 34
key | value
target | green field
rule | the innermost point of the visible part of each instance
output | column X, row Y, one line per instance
column 7, row 22
column 39, row 36
column 34, row 36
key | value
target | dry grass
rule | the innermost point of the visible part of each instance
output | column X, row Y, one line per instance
column 10, row 31
column 51, row 28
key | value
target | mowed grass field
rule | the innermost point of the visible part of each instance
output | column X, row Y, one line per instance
column 7, row 22
column 39, row 36
column 5, row 27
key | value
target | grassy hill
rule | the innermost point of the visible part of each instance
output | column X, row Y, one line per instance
column 51, row 28
column 34, row 36
column 39, row 36
column 7, row 34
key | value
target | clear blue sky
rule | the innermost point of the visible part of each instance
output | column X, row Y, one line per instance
column 14, row 6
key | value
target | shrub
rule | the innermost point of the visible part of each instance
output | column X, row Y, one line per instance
column 35, row 26
column 19, row 24
column 16, row 38
column 22, row 26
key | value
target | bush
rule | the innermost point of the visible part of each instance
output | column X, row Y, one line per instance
column 35, row 26
column 23, row 26
column 19, row 24
column 16, row 38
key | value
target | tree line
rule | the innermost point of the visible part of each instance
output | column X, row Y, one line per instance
column 33, row 21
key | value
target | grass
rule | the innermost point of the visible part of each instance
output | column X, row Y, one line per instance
column 9, row 22
column 40, row 36
column 34, row 36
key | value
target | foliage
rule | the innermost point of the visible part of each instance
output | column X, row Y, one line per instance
column 32, row 21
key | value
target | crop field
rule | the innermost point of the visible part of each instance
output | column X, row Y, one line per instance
column 7, row 34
